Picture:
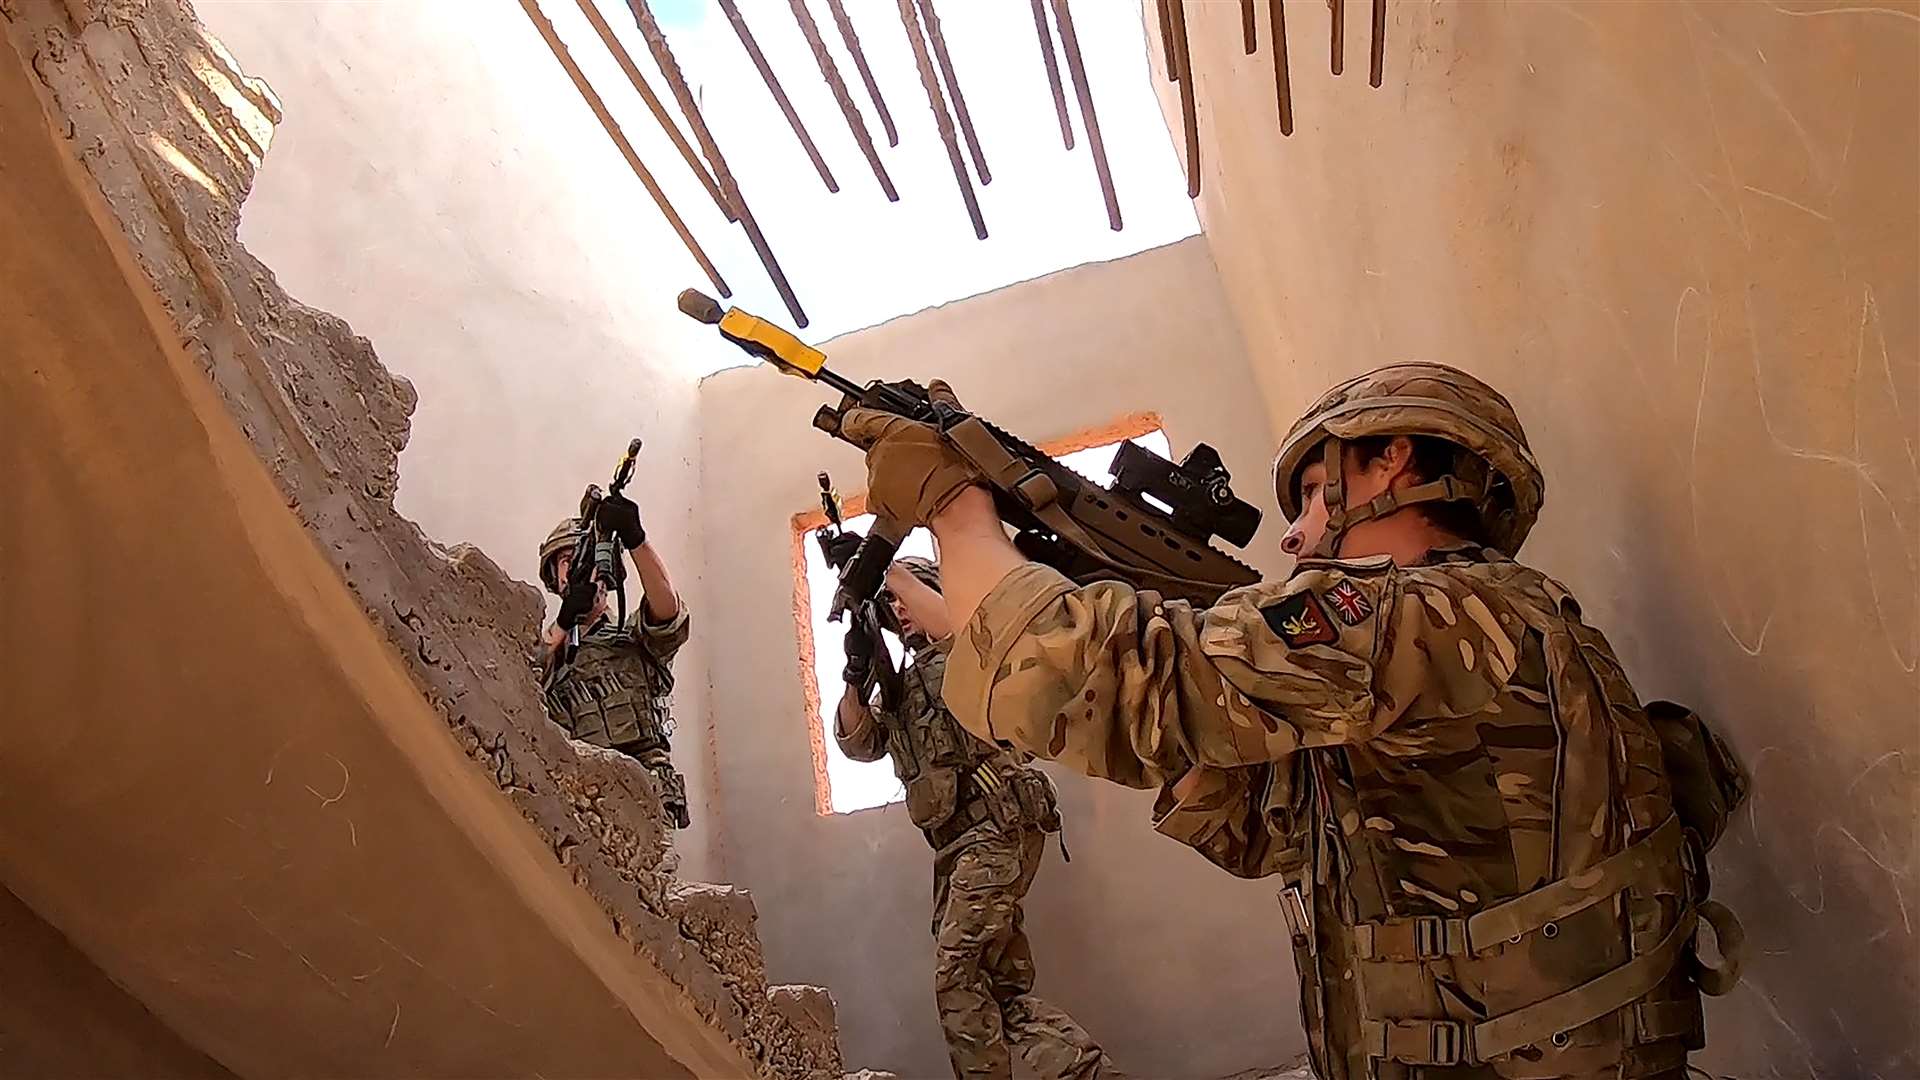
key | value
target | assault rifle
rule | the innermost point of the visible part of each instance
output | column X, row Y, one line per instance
column 596, row 555
column 870, row 615
column 1151, row 529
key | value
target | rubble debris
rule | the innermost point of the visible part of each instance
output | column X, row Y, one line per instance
column 329, row 421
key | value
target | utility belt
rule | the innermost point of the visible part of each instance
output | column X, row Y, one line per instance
column 945, row 801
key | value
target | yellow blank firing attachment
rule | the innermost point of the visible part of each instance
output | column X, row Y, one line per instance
column 794, row 356
column 756, row 335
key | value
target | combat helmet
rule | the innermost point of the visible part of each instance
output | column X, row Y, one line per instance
column 563, row 537
column 1495, row 471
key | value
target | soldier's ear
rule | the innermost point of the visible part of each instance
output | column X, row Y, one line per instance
column 1397, row 462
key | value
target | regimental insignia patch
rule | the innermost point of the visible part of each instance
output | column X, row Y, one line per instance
column 1299, row 620
column 1349, row 604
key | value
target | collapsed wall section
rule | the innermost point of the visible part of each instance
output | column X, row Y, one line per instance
column 171, row 129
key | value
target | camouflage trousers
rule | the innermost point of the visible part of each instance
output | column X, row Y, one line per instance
column 673, row 786
column 983, row 971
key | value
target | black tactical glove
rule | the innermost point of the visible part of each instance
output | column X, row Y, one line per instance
column 859, row 650
column 619, row 516
column 577, row 601
column 840, row 548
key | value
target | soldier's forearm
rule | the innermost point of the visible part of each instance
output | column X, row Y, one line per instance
column 975, row 553
column 852, row 713
column 663, row 604
column 854, row 728
column 927, row 607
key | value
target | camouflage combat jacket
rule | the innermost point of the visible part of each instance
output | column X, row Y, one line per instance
column 1447, row 767
column 955, row 782
column 614, row 691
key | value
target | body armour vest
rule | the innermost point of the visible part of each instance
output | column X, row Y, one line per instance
column 1505, row 892
column 955, row 781
column 614, row 691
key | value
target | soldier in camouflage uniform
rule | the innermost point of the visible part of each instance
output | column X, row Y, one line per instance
column 612, row 690
column 987, row 817
column 1493, row 854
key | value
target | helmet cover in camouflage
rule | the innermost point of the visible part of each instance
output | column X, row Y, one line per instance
column 1504, row 484
column 563, row 537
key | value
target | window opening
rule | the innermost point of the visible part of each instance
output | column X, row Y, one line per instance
column 860, row 785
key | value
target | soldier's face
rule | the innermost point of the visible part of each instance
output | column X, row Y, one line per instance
column 907, row 625
column 1304, row 534
column 1362, row 483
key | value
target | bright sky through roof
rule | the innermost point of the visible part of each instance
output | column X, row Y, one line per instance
column 854, row 258
column 858, row 785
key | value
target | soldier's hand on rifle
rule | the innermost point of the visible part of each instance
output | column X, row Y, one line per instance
column 620, row 516
column 859, row 650
column 841, row 548
column 578, row 602
column 911, row 472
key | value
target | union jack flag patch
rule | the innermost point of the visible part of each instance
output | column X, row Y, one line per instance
column 1349, row 604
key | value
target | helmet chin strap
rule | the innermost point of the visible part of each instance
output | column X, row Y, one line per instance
column 1341, row 517
column 1334, row 491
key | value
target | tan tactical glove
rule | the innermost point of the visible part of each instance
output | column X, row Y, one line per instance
column 911, row 473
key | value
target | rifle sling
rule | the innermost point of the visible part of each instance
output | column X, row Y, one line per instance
column 975, row 442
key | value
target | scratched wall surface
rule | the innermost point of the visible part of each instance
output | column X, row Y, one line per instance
column 1683, row 239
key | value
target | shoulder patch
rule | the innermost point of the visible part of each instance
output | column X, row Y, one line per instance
column 1299, row 620
column 1349, row 604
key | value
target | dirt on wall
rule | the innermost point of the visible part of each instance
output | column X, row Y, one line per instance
column 1684, row 240
column 171, row 130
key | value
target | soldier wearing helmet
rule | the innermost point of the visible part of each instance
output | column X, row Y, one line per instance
column 986, row 815
column 1490, row 866
column 612, row 688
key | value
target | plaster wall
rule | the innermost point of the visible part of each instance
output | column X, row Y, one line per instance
column 1177, row 969
column 218, row 782
column 1684, row 240
column 437, row 182
column 62, row 1016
